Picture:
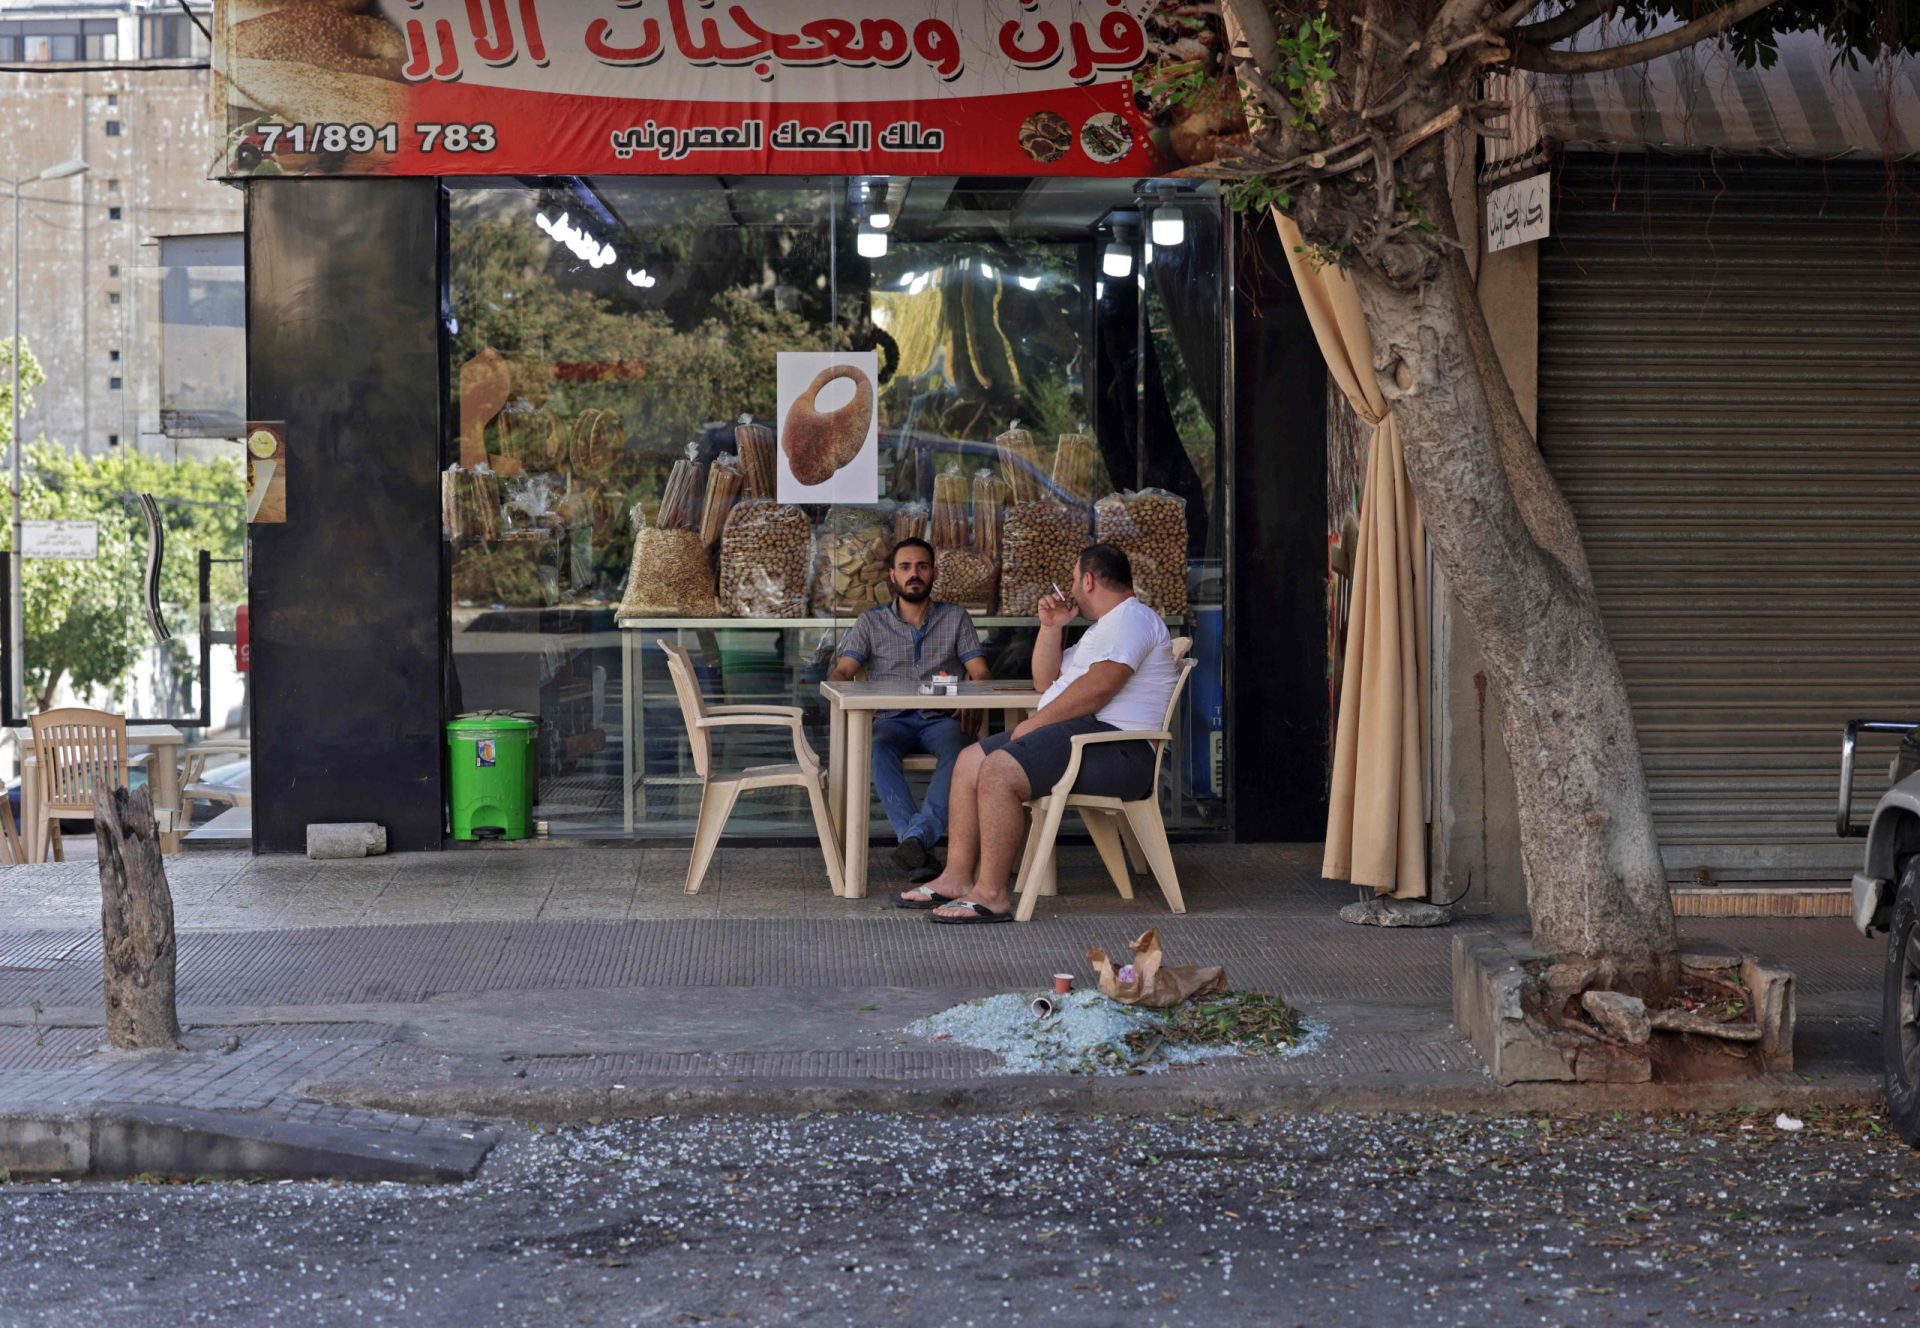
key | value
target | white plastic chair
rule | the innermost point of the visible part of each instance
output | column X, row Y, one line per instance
column 1125, row 833
column 720, row 791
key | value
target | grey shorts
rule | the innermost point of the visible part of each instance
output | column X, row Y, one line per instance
column 1108, row 770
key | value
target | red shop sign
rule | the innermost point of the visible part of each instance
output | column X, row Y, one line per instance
column 700, row 87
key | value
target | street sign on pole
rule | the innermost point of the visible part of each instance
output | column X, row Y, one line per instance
column 60, row 539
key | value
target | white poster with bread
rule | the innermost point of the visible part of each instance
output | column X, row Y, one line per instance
column 829, row 431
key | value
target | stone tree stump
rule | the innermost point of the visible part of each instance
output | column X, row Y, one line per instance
column 136, row 919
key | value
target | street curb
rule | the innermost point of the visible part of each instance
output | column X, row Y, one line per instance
column 121, row 1142
column 1068, row 1096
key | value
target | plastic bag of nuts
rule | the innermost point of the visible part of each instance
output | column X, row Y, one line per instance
column 1039, row 546
column 766, row 557
column 966, row 577
column 850, row 561
column 671, row 575
column 1150, row 526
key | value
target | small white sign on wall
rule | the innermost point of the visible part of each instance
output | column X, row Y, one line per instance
column 60, row 539
column 1517, row 213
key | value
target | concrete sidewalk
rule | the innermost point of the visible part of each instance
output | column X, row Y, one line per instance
column 565, row 982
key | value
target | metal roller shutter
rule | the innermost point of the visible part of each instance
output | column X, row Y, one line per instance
column 1730, row 396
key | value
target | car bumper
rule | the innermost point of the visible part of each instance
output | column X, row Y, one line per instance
column 1868, row 891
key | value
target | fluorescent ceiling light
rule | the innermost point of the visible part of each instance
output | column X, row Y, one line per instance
column 871, row 244
column 1117, row 260
column 1169, row 227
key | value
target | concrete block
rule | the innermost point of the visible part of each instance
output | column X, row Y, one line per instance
column 346, row 839
column 1489, row 999
column 1773, row 1010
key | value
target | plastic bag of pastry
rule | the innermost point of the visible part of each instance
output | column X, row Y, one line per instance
column 850, row 561
column 456, row 503
column 766, row 560
column 534, row 438
column 671, row 575
column 1039, row 545
column 755, row 444
column 723, row 491
column 909, row 521
column 598, row 438
column 680, row 500
column 1076, row 467
column 949, row 518
column 1019, row 464
column 989, row 512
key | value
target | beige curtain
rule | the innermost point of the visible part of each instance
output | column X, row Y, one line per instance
column 1376, row 816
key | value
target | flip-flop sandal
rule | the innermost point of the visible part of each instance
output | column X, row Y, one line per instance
column 934, row 900
column 981, row 913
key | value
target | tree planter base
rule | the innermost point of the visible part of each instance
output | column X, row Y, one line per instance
column 1510, row 1002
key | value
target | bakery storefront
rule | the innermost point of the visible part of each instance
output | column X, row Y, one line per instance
column 590, row 326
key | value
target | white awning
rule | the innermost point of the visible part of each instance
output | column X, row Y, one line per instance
column 1702, row 99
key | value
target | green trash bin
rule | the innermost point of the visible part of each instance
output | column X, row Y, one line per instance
column 490, row 775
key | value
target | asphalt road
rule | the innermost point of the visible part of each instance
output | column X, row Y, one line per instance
column 1389, row 1220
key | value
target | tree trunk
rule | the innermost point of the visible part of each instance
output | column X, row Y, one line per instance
column 1504, row 536
column 136, row 919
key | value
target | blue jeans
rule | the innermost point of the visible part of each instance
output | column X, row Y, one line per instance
column 906, row 733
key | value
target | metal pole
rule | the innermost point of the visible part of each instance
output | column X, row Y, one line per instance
column 17, row 617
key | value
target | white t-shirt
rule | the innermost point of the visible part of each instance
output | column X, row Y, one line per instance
column 1132, row 634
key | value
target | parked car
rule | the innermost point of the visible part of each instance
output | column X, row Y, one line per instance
column 1886, row 897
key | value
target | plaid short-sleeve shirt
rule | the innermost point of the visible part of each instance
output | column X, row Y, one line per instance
column 895, row 651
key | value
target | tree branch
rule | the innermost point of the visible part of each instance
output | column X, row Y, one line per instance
column 1507, row 18
column 1560, row 26
column 1542, row 61
column 1258, row 32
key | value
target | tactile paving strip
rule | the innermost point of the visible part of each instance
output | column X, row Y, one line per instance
column 1303, row 959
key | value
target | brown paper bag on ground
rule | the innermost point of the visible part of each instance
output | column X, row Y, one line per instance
column 1155, row 983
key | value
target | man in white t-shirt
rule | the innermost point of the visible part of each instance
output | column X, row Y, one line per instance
column 1119, row 676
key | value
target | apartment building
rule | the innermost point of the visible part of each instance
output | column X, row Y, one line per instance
column 130, row 279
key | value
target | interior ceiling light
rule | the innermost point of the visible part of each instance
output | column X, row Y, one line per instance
column 1117, row 260
column 1029, row 283
column 879, row 221
column 1169, row 227
column 870, row 244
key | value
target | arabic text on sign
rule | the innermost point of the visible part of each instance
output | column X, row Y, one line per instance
column 499, row 32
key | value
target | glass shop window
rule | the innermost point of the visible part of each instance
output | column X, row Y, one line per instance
column 1044, row 369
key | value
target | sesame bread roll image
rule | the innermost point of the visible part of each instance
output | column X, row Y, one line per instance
column 818, row 444
column 320, row 35
column 306, row 94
